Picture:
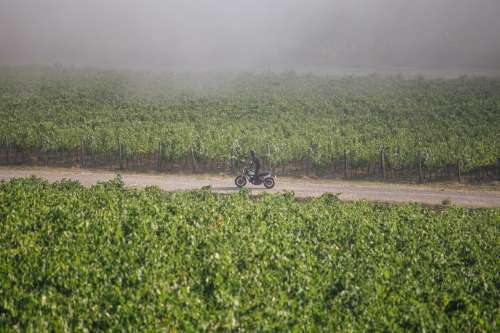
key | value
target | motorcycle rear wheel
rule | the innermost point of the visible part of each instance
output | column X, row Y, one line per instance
column 269, row 182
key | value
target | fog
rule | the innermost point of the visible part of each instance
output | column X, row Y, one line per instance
column 247, row 34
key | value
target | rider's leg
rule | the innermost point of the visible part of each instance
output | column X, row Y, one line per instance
column 257, row 170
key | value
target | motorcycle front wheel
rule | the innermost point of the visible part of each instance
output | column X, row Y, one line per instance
column 240, row 181
column 269, row 182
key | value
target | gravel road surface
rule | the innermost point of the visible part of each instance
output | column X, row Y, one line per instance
column 302, row 188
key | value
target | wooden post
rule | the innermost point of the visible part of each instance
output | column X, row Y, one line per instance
column 382, row 162
column 7, row 150
column 345, row 164
column 193, row 159
column 120, row 153
column 231, row 160
column 498, row 168
column 304, row 163
column 459, row 171
column 234, row 161
column 45, row 155
column 82, row 154
column 158, row 166
column 419, row 160
column 269, row 158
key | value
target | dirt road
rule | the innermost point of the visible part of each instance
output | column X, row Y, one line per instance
column 302, row 187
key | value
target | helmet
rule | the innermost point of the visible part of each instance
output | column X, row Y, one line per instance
column 252, row 152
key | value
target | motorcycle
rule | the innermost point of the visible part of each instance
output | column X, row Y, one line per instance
column 248, row 175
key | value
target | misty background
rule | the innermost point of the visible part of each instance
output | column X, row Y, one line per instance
column 252, row 34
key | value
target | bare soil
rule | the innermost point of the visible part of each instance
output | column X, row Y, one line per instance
column 434, row 194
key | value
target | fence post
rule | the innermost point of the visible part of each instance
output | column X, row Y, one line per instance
column 420, row 177
column 305, row 162
column 498, row 168
column 7, row 150
column 269, row 158
column 158, row 166
column 231, row 160
column 82, row 154
column 120, row 153
column 345, row 164
column 382, row 162
column 459, row 171
column 193, row 159
column 45, row 155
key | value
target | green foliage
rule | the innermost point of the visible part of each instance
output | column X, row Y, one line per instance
column 106, row 258
column 221, row 117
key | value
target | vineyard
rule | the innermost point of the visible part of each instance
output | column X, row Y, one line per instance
column 106, row 258
column 347, row 126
